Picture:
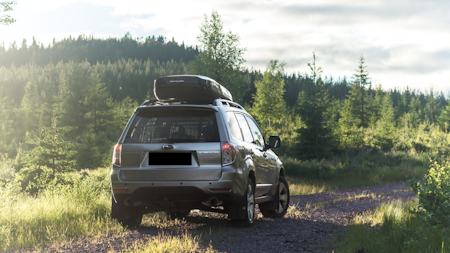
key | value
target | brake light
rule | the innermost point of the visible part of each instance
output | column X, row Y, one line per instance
column 228, row 153
column 117, row 155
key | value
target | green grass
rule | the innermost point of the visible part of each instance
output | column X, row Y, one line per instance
column 81, row 207
column 58, row 213
column 392, row 228
column 168, row 243
column 358, row 167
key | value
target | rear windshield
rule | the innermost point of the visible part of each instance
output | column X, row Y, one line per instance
column 173, row 125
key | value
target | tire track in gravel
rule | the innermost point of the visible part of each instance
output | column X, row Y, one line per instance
column 307, row 227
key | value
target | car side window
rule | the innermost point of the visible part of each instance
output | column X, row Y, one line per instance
column 234, row 126
column 257, row 135
column 245, row 128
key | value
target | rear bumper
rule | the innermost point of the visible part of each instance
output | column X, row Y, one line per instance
column 164, row 195
column 174, row 191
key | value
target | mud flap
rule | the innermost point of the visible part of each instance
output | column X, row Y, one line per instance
column 237, row 211
column 276, row 200
column 119, row 211
column 271, row 205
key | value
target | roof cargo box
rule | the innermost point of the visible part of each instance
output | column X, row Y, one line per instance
column 189, row 89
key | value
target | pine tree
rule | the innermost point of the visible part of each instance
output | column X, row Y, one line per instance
column 269, row 106
column 29, row 107
column 88, row 153
column 49, row 97
column 430, row 109
column 73, row 107
column 221, row 56
column 51, row 149
column 406, row 100
column 122, row 111
column 358, row 96
column 349, row 133
column 99, row 104
column 402, row 111
column 386, row 124
column 444, row 119
column 376, row 106
column 51, row 154
column 7, row 136
column 314, row 140
column 415, row 108
column 332, row 116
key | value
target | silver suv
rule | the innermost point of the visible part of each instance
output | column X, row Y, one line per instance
column 194, row 148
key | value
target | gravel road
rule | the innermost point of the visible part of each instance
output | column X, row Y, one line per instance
column 307, row 227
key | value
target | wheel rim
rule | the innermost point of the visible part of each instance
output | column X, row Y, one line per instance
column 282, row 198
column 250, row 203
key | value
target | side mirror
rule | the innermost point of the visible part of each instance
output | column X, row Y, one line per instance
column 274, row 141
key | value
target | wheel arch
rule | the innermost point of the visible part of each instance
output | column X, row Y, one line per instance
column 250, row 166
column 252, row 176
column 282, row 172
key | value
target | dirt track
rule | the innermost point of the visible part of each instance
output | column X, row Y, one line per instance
column 307, row 227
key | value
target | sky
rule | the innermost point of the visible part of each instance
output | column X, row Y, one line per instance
column 404, row 42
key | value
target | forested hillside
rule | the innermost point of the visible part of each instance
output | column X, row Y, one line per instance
column 92, row 50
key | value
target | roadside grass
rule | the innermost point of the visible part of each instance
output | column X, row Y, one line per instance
column 168, row 243
column 393, row 228
column 57, row 213
column 355, row 168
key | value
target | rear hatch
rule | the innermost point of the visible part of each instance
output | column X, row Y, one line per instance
column 172, row 144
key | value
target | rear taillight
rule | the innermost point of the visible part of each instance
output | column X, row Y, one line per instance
column 228, row 153
column 117, row 155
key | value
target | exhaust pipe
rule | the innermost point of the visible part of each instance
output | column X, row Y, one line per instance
column 131, row 202
column 213, row 201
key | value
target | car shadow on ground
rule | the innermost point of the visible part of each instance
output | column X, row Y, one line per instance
column 290, row 234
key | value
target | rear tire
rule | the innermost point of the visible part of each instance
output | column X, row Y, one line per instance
column 279, row 207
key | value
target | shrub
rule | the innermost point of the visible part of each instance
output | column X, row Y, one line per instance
column 392, row 228
column 434, row 195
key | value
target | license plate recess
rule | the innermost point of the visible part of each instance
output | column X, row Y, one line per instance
column 170, row 158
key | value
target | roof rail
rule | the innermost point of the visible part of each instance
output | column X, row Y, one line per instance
column 216, row 102
column 225, row 102
column 152, row 101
